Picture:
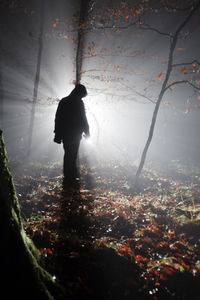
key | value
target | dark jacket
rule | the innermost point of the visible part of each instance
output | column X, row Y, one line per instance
column 70, row 120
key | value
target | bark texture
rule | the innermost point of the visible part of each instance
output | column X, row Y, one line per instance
column 21, row 273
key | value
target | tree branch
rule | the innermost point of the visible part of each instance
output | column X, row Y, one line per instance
column 186, row 64
column 180, row 82
column 138, row 93
column 175, row 7
column 148, row 27
column 162, row 91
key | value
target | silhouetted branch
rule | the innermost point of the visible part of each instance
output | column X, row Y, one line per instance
column 181, row 82
column 167, row 5
column 163, row 89
column 138, row 93
column 145, row 26
column 144, row 96
column 187, row 63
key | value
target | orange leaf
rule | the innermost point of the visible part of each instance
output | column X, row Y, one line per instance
column 180, row 49
column 54, row 25
column 49, row 251
column 52, row 193
column 185, row 71
column 160, row 76
column 199, row 98
column 162, row 276
column 138, row 258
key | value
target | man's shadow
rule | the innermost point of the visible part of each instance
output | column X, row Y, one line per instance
column 75, row 202
column 85, row 270
column 74, row 231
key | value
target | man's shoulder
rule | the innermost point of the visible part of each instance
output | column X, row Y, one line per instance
column 64, row 100
column 70, row 100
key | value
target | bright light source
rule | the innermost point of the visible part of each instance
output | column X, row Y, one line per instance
column 88, row 141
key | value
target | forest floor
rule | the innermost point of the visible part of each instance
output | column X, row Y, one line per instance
column 105, row 240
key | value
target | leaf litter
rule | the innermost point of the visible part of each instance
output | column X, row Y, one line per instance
column 104, row 240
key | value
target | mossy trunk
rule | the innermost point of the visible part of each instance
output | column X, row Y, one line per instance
column 21, row 274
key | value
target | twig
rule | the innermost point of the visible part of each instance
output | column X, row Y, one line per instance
column 180, row 82
column 138, row 93
column 187, row 63
column 148, row 27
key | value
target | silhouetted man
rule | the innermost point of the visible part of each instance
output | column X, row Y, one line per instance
column 70, row 124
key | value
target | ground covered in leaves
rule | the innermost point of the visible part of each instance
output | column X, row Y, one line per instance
column 106, row 240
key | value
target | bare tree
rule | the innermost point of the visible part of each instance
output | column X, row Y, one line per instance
column 165, row 86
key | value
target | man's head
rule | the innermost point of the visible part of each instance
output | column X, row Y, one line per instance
column 79, row 91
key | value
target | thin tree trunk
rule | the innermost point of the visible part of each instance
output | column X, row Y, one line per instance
column 80, row 39
column 37, row 77
column 165, row 82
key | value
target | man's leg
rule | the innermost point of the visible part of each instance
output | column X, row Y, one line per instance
column 69, row 166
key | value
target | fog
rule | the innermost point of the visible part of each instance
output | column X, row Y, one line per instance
column 121, row 67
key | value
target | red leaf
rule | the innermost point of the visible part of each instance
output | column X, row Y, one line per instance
column 185, row 71
column 49, row 251
column 162, row 276
column 160, row 76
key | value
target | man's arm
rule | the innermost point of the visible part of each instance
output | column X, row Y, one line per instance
column 86, row 128
column 58, row 124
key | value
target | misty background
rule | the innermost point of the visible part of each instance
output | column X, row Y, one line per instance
column 123, row 69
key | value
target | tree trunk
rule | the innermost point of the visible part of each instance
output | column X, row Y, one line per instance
column 1, row 99
column 21, row 274
column 37, row 78
column 80, row 40
column 163, row 89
